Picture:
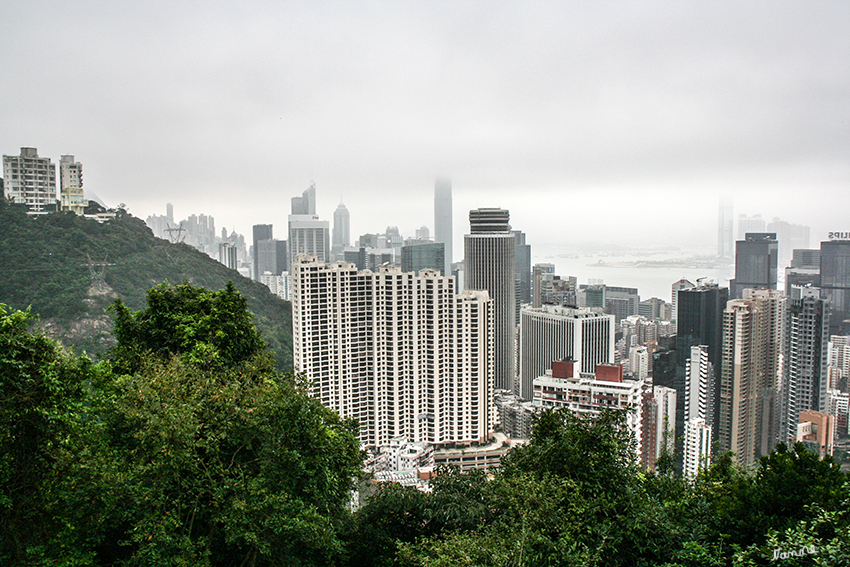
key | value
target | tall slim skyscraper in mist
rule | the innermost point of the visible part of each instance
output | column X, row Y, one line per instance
column 341, row 232
column 443, row 218
column 490, row 256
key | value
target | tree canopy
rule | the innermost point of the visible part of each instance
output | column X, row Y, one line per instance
column 183, row 447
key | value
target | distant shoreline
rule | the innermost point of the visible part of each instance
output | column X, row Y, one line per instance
column 687, row 263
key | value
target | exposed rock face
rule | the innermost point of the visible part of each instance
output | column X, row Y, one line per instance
column 94, row 329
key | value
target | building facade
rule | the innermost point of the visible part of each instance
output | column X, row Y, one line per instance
column 805, row 384
column 71, row 195
column 700, row 322
column 753, row 329
column 30, row 180
column 490, row 265
column 400, row 352
column 835, row 282
column 756, row 263
column 260, row 232
column 588, row 394
column 423, row 255
column 558, row 333
column 309, row 235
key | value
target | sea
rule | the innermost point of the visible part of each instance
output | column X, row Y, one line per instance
column 651, row 271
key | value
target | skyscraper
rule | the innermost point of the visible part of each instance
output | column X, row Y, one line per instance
column 756, row 263
column 523, row 271
column 560, row 333
column 750, row 366
column 30, row 180
column 306, row 203
column 490, row 264
column 698, row 371
column 697, row 447
column 700, row 323
column 400, row 352
column 227, row 254
column 271, row 257
column 804, row 269
column 309, row 235
column 674, row 296
column 261, row 232
column 443, row 218
column 341, row 232
column 805, row 383
column 749, row 224
column 835, row 280
column 538, row 273
column 423, row 254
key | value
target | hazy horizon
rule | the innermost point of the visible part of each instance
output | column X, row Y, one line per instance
column 621, row 122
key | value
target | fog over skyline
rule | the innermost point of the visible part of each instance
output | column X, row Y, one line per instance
column 609, row 122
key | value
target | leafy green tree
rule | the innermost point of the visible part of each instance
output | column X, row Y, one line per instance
column 574, row 495
column 223, row 467
column 41, row 393
column 210, row 329
column 205, row 455
column 788, row 486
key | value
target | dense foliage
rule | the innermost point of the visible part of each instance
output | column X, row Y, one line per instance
column 575, row 496
column 184, row 446
column 43, row 265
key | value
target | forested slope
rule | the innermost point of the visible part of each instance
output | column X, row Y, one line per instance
column 43, row 265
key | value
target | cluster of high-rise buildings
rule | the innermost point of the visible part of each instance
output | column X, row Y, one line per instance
column 415, row 351
column 455, row 357
column 30, row 182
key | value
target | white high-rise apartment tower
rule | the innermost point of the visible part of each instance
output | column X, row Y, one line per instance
column 30, row 180
column 490, row 264
column 400, row 352
column 699, row 414
column 71, row 185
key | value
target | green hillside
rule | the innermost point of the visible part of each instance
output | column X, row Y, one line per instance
column 43, row 264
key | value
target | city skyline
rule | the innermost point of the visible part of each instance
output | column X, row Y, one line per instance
column 546, row 110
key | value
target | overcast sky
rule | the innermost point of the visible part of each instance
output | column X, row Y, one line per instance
column 589, row 121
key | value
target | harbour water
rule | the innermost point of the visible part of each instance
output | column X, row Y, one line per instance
column 651, row 272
